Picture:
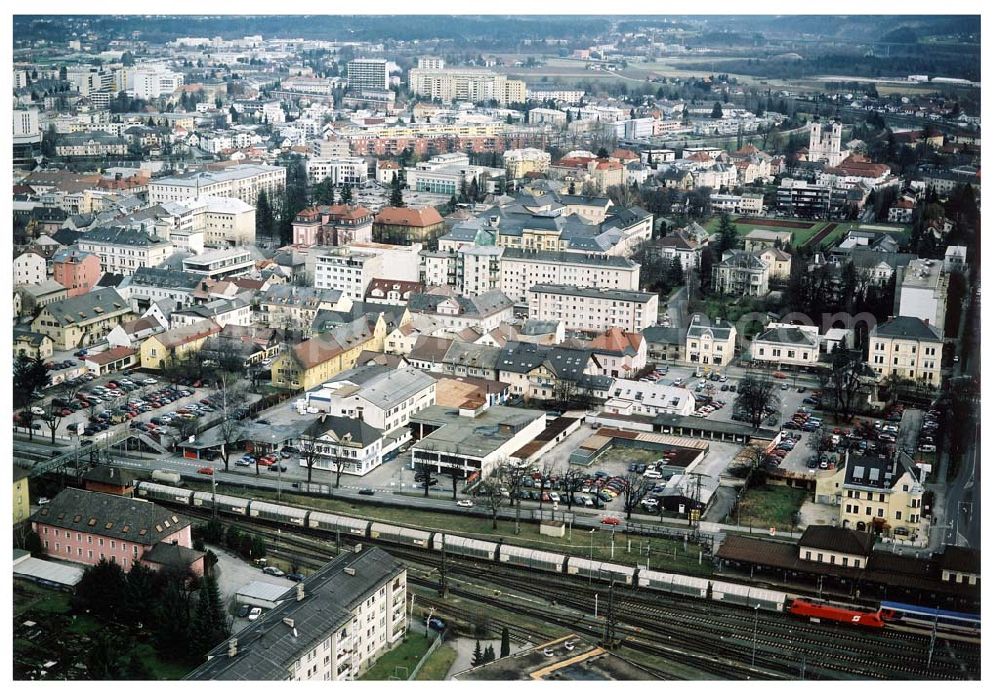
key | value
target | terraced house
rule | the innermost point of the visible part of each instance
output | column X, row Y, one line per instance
column 319, row 359
column 82, row 320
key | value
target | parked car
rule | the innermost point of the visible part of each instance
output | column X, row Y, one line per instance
column 273, row 571
column 466, row 503
column 254, row 613
column 206, row 471
column 295, row 577
column 611, row 521
column 366, row 490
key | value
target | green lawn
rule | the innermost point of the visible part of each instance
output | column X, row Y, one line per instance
column 158, row 668
column 399, row 662
column 662, row 556
column 437, row 665
column 771, row 506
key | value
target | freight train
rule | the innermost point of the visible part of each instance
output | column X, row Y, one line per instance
column 528, row 558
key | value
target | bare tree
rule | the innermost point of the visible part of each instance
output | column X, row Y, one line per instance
column 845, row 381
column 424, row 471
column 490, row 490
column 188, row 428
column 547, row 472
column 572, row 479
column 309, row 447
column 513, row 476
column 635, row 488
column 756, row 396
column 52, row 418
column 339, row 459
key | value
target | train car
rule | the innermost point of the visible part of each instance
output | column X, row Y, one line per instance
column 743, row 595
column 334, row 523
column 896, row 614
column 467, row 547
column 532, row 559
column 223, row 503
column 673, row 583
column 593, row 569
column 163, row 493
column 169, row 477
column 398, row 534
column 277, row 513
column 818, row 611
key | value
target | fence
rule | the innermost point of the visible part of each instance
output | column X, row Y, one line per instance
column 428, row 653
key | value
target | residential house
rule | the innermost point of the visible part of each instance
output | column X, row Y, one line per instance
column 645, row 398
column 124, row 250
column 332, row 225
column 757, row 240
column 221, row 311
column 346, row 444
column 404, row 226
column 251, row 345
column 486, row 310
column 665, row 344
column 552, row 373
column 779, row 263
column 132, row 332
column 29, row 268
column 288, row 307
column 710, row 342
column 786, row 345
column 111, row 360
column 741, row 273
column 908, row 348
column 34, row 345
column 593, row 308
column 320, row 358
column 175, row 343
column 619, row 354
column 21, row 506
column 82, row 320
column 674, row 244
column 78, row 271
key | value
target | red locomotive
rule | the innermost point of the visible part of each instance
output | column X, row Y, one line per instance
column 838, row 614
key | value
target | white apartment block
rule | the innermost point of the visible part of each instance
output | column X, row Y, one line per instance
column 228, row 261
column 594, row 309
column 477, row 269
column 341, row 171
column 540, row 115
column 521, row 269
column 444, row 174
column 521, row 161
column 225, row 222
column 351, row 268
column 151, row 82
column 123, row 250
column 243, row 182
column 331, row 627
column 29, row 268
column 745, row 205
column 331, row 149
column 26, row 123
column 631, row 397
column 466, row 85
column 923, row 293
column 572, row 96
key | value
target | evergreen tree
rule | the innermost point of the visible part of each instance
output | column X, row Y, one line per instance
column 505, row 642
column 572, row 188
column 569, row 116
column 209, row 625
column 477, row 655
column 675, row 272
column 323, row 192
column 101, row 588
column 602, row 152
column 139, row 593
column 264, row 217
column 30, row 375
column 346, row 195
column 396, row 192
column 727, row 233
column 489, row 655
column 663, row 229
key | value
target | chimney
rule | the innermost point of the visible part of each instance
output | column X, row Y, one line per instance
column 290, row 622
column 349, row 571
column 232, row 647
column 300, row 591
column 357, row 547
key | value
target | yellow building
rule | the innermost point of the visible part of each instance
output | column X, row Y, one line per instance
column 22, row 498
column 82, row 320
column 32, row 344
column 908, row 348
column 175, row 343
column 880, row 495
column 778, row 262
column 319, row 359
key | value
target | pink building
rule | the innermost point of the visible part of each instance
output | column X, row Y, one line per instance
column 86, row 527
column 77, row 271
column 620, row 354
column 332, row 225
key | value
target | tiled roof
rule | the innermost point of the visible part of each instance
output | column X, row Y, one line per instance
column 133, row 520
column 414, row 218
column 841, row 540
column 907, row 328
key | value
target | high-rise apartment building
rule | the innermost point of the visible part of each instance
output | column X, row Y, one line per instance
column 368, row 74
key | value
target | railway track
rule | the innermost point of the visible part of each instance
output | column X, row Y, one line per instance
column 737, row 643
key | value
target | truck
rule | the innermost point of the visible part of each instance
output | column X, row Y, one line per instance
column 170, row 477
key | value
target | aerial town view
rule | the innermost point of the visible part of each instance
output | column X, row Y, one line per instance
column 496, row 347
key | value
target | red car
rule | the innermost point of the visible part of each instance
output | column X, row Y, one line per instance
column 611, row 521
column 206, row 471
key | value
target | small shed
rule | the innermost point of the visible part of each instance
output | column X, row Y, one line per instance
column 262, row 594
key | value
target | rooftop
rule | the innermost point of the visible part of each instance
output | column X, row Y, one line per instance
column 476, row 437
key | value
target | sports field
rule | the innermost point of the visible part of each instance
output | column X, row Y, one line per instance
column 807, row 231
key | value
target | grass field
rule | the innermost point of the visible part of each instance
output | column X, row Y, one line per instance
column 802, row 235
column 399, row 662
column 437, row 665
column 663, row 554
column 771, row 506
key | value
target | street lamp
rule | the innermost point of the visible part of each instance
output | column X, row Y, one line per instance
column 590, row 572
column 753, row 654
column 595, row 606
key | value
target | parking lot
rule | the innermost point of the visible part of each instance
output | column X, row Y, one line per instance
column 232, row 574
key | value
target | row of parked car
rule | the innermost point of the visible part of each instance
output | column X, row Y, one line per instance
column 803, row 420
column 929, row 431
